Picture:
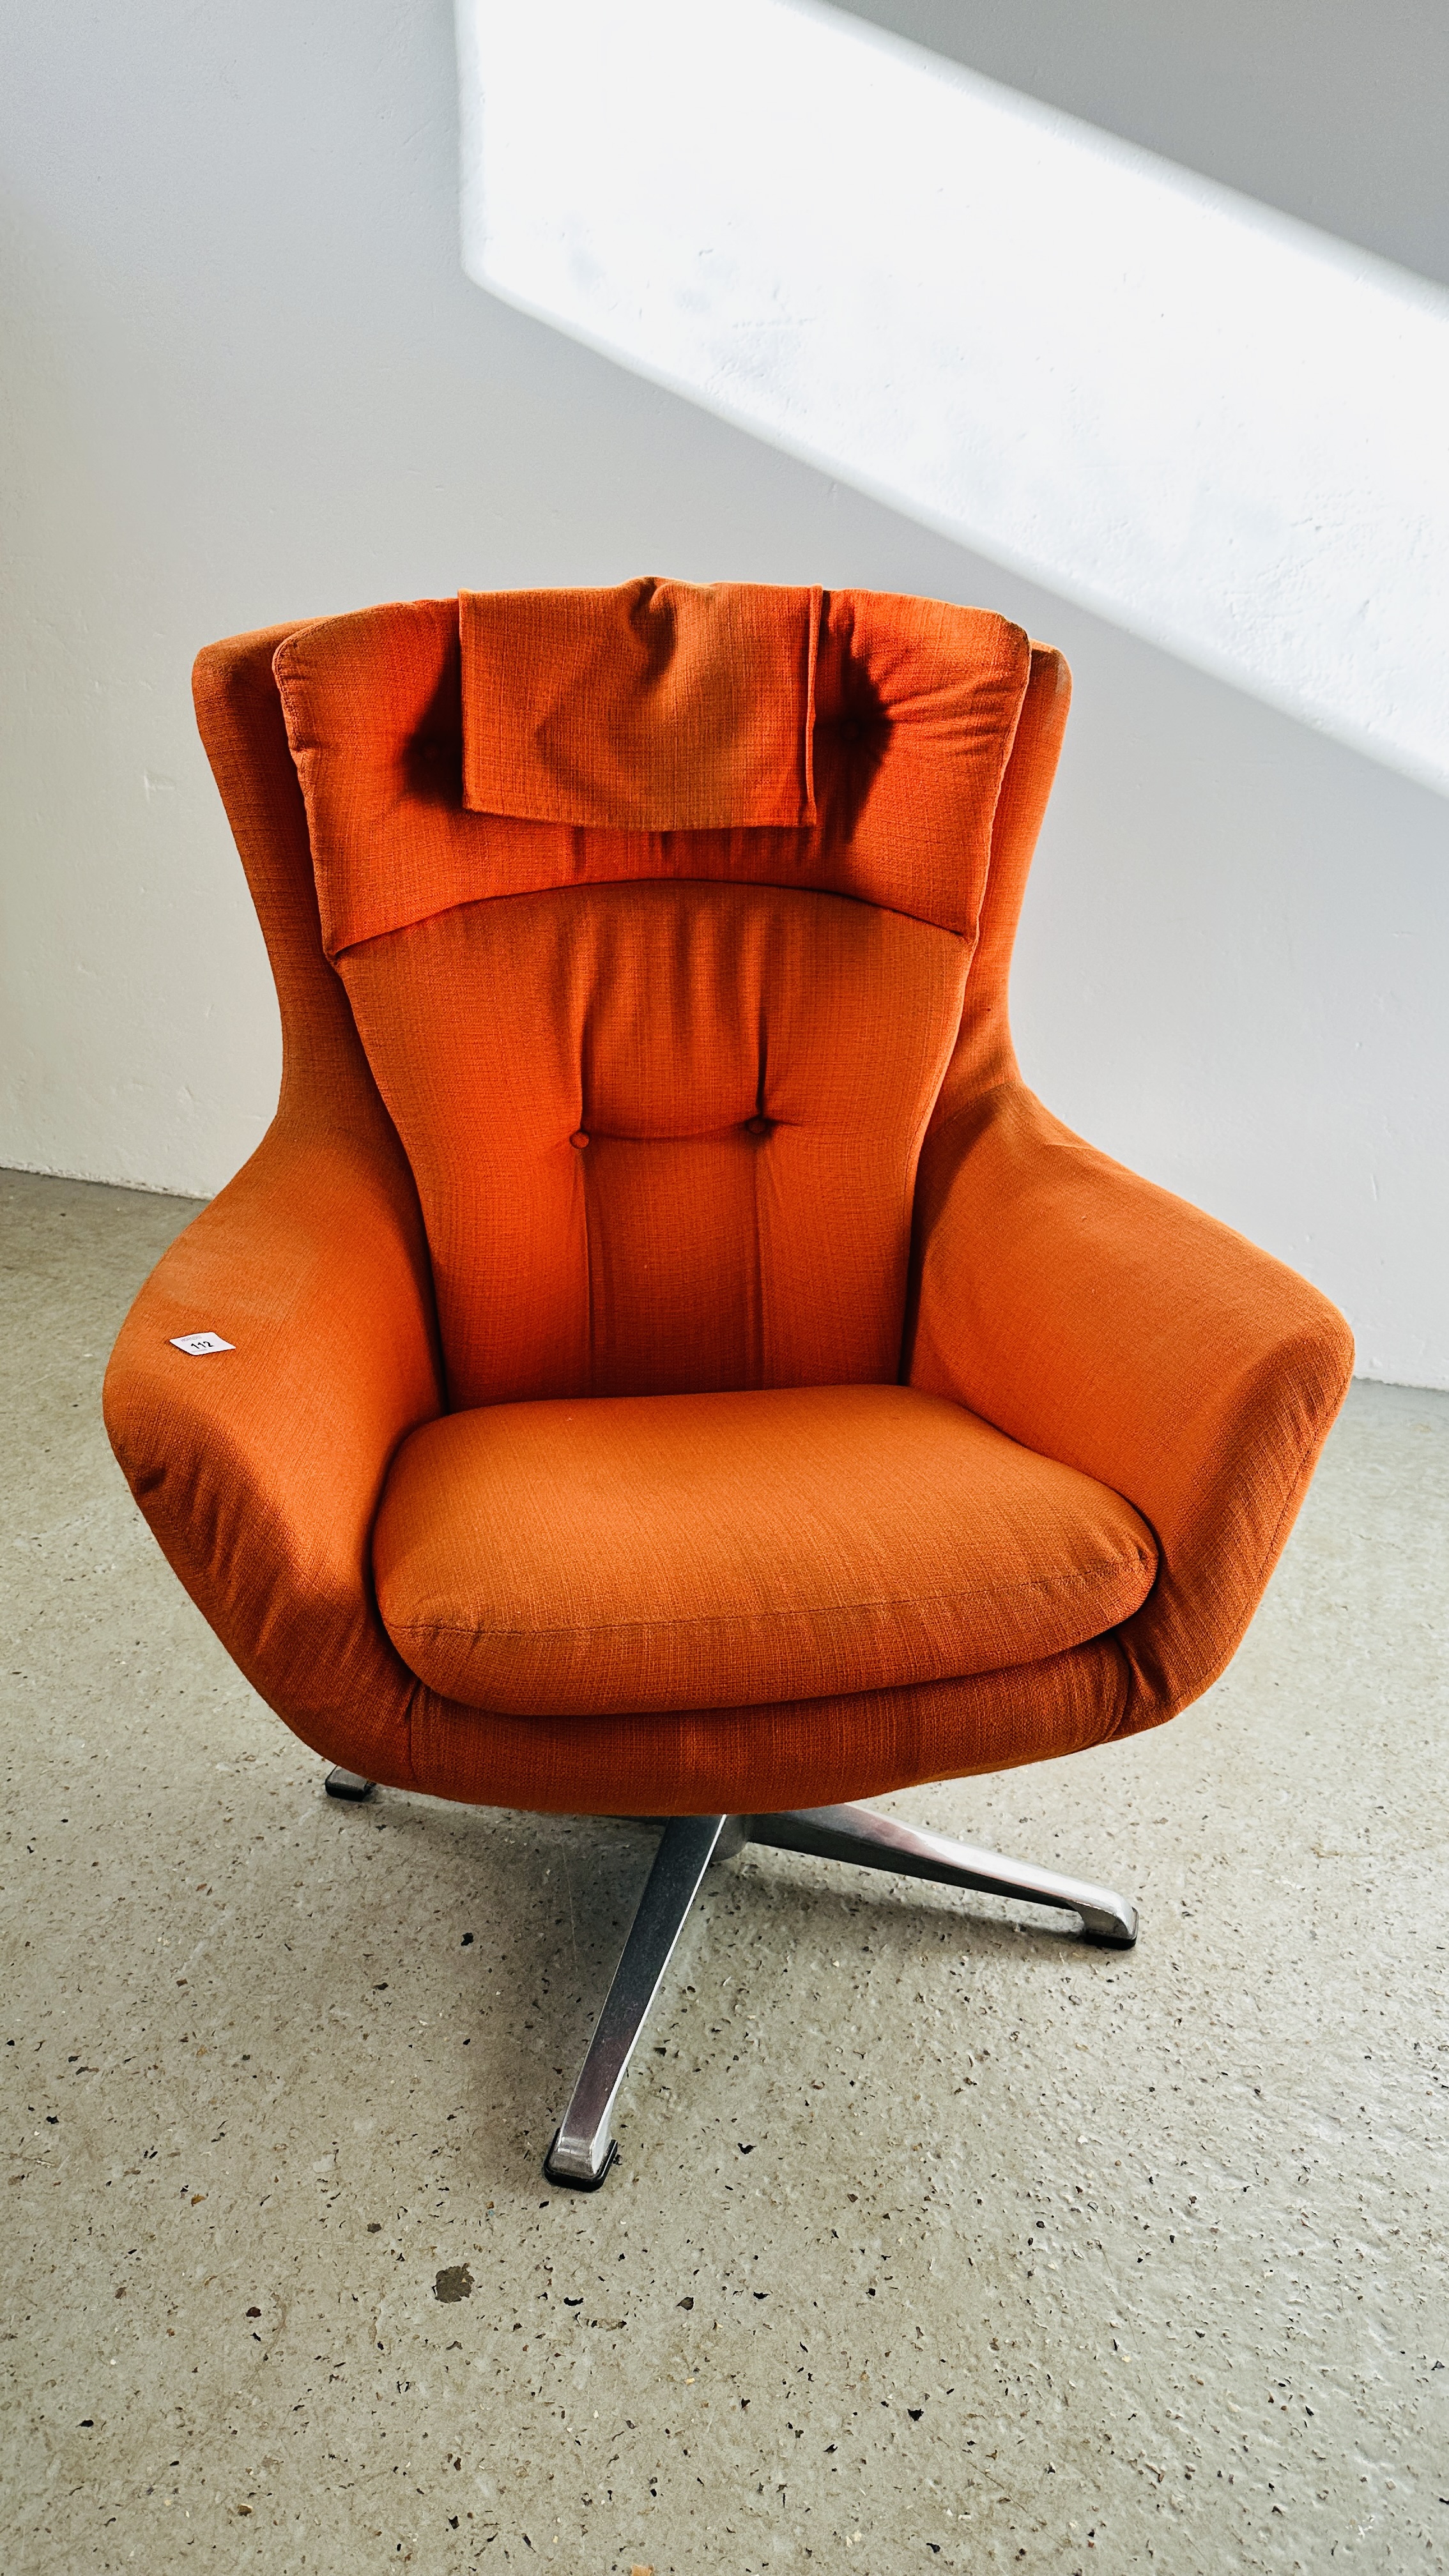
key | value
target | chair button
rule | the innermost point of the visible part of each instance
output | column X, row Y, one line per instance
column 759, row 1126
column 579, row 1139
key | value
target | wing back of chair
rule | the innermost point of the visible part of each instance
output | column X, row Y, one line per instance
column 656, row 910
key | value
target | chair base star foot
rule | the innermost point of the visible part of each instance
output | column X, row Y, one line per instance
column 583, row 2151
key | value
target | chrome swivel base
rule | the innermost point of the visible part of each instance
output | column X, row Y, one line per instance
column 583, row 2150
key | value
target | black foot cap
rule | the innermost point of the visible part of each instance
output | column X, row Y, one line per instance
column 349, row 1785
column 577, row 2182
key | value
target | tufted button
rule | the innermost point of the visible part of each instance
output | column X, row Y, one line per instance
column 579, row 1139
column 759, row 1126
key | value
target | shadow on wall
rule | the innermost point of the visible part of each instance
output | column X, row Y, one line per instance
column 1326, row 110
column 1168, row 402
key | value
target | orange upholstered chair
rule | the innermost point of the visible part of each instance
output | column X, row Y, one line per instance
column 661, row 1360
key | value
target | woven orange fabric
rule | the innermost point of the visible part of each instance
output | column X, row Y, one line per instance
column 1088, row 1313
column 720, row 1551
column 916, row 709
column 662, row 706
column 984, row 1054
column 665, row 1136
column 1092, row 1318
column 800, row 1753
column 260, row 1474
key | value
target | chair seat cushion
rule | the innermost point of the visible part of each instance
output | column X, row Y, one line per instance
column 603, row 1555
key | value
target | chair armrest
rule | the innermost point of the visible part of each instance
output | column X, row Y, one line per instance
column 259, row 1470
column 1103, row 1322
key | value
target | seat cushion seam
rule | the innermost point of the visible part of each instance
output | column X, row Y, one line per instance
column 802, row 1610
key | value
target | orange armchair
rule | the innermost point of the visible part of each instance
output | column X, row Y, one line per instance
column 674, row 1366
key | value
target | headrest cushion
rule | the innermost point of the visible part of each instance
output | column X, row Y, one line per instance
column 915, row 705
column 662, row 706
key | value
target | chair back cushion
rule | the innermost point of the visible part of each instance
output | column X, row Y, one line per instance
column 663, row 1085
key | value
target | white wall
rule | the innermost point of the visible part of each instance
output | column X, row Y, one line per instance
column 1194, row 417
column 1330, row 110
column 248, row 379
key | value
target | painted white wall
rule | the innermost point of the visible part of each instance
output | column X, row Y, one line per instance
column 247, row 378
column 1330, row 110
column 1215, row 426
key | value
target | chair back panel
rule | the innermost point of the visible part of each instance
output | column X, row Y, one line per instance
column 665, row 1136
column 748, row 1025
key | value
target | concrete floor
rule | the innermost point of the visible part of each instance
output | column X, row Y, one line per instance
column 935, row 2242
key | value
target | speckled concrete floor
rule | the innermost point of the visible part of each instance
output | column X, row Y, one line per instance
column 935, row 2241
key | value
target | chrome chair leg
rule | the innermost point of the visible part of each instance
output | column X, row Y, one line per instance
column 879, row 1842
column 582, row 2150
column 349, row 1785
